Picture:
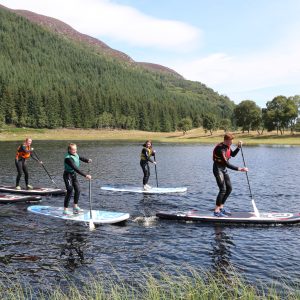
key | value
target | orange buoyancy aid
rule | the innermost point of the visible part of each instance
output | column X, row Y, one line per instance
column 217, row 155
column 23, row 154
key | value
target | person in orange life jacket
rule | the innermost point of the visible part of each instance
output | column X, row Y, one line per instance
column 24, row 152
column 146, row 154
column 221, row 155
column 72, row 164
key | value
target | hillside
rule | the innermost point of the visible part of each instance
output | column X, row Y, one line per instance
column 67, row 31
column 50, row 80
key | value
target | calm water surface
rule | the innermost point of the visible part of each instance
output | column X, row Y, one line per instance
column 44, row 251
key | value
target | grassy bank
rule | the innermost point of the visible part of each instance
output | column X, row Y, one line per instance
column 193, row 136
column 168, row 287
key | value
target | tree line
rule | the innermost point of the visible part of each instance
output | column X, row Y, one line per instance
column 280, row 114
column 47, row 81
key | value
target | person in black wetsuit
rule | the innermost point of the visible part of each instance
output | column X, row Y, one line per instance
column 72, row 164
column 24, row 152
column 146, row 154
column 221, row 155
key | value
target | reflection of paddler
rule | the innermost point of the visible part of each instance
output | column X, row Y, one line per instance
column 24, row 152
column 221, row 155
column 73, row 249
column 221, row 252
column 146, row 154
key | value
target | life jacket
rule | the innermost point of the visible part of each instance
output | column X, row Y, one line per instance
column 21, row 153
column 149, row 150
column 217, row 155
column 76, row 160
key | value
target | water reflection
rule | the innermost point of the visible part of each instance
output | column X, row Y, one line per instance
column 72, row 251
column 221, row 251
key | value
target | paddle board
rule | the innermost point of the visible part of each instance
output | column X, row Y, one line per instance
column 35, row 191
column 153, row 190
column 234, row 218
column 4, row 198
column 99, row 216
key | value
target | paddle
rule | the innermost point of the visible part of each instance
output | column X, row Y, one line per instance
column 252, row 199
column 45, row 169
column 91, row 224
column 156, row 172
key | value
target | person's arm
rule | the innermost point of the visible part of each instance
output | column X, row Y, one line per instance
column 235, row 152
column 86, row 160
column 23, row 149
column 70, row 162
column 227, row 163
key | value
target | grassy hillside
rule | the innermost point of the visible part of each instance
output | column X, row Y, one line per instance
column 48, row 81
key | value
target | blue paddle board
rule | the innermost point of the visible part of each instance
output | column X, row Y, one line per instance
column 153, row 190
column 234, row 218
column 98, row 216
column 35, row 191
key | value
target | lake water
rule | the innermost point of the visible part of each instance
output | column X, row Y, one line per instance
column 44, row 251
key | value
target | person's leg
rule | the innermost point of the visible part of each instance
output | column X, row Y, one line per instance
column 228, row 188
column 25, row 171
column 76, row 189
column 69, row 187
column 146, row 172
column 18, row 164
column 219, row 175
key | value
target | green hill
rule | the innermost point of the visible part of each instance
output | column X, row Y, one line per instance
column 48, row 80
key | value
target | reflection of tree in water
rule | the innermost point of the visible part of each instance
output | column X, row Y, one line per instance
column 73, row 250
column 221, row 253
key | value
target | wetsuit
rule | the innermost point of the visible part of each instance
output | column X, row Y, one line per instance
column 144, row 162
column 72, row 163
column 221, row 156
column 23, row 154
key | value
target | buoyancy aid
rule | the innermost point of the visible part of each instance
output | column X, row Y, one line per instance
column 76, row 160
column 217, row 153
column 149, row 150
column 23, row 152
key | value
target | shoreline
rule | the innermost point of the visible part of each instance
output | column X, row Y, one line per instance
column 191, row 137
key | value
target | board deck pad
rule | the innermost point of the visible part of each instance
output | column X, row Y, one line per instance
column 99, row 216
column 234, row 218
column 35, row 191
column 9, row 198
column 153, row 190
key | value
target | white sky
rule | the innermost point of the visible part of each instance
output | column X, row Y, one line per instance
column 245, row 49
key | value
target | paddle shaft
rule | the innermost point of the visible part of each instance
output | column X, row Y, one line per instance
column 91, row 223
column 45, row 169
column 156, row 172
column 246, row 174
column 90, row 197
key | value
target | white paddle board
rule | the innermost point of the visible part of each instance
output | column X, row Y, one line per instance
column 98, row 216
column 153, row 190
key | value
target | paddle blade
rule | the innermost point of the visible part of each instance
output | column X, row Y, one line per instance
column 91, row 225
column 257, row 214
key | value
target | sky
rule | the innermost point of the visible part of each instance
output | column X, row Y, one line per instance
column 244, row 49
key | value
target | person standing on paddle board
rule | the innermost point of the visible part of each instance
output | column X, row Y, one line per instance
column 72, row 164
column 146, row 154
column 221, row 155
column 24, row 152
